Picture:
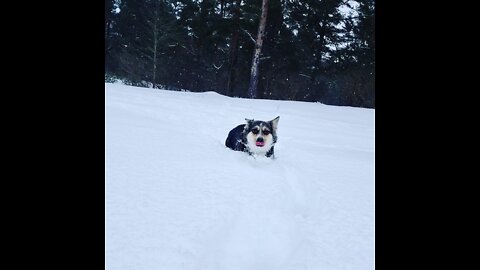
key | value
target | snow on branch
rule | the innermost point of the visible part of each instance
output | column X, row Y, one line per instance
column 217, row 67
column 250, row 35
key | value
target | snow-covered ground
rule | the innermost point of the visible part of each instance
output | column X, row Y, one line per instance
column 177, row 198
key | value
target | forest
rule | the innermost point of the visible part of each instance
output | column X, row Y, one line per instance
column 306, row 50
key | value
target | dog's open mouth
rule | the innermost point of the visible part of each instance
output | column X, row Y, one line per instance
column 260, row 144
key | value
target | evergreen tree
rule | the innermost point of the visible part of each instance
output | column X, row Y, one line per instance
column 161, row 34
column 316, row 24
column 109, row 39
column 366, row 54
column 148, row 31
column 108, row 22
column 354, row 82
column 233, row 47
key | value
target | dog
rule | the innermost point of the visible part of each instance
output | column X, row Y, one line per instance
column 257, row 138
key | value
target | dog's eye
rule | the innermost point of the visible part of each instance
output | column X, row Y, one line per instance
column 255, row 131
column 266, row 132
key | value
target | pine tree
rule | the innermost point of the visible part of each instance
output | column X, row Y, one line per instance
column 109, row 23
column 355, row 81
column 160, row 34
column 233, row 54
column 148, row 30
column 366, row 48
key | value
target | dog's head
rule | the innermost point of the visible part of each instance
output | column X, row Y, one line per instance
column 260, row 136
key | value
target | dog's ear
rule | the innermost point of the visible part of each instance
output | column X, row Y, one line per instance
column 274, row 123
column 249, row 121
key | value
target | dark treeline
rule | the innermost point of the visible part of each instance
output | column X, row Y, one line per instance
column 311, row 50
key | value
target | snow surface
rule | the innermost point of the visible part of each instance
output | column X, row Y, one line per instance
column 177, row 198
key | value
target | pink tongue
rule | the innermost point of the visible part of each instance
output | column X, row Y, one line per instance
column 260, row 143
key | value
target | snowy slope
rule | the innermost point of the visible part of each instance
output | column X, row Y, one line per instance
column 176, row 198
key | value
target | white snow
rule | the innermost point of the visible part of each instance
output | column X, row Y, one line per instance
column 177, row 198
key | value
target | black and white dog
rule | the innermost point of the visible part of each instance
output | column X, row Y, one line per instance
column 254, row 137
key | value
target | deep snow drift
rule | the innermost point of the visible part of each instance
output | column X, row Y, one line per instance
column 177, row 198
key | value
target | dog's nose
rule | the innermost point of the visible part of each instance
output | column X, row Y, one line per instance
column 260, row 139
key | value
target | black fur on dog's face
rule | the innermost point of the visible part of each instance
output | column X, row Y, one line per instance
column 260, row 136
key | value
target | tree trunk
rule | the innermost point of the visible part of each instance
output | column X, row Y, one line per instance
column 233, row 57
column 252, row 87
column 155, row 41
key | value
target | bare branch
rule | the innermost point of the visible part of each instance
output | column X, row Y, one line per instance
column 215, row 66
column 304, row 75
column 251, row 37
